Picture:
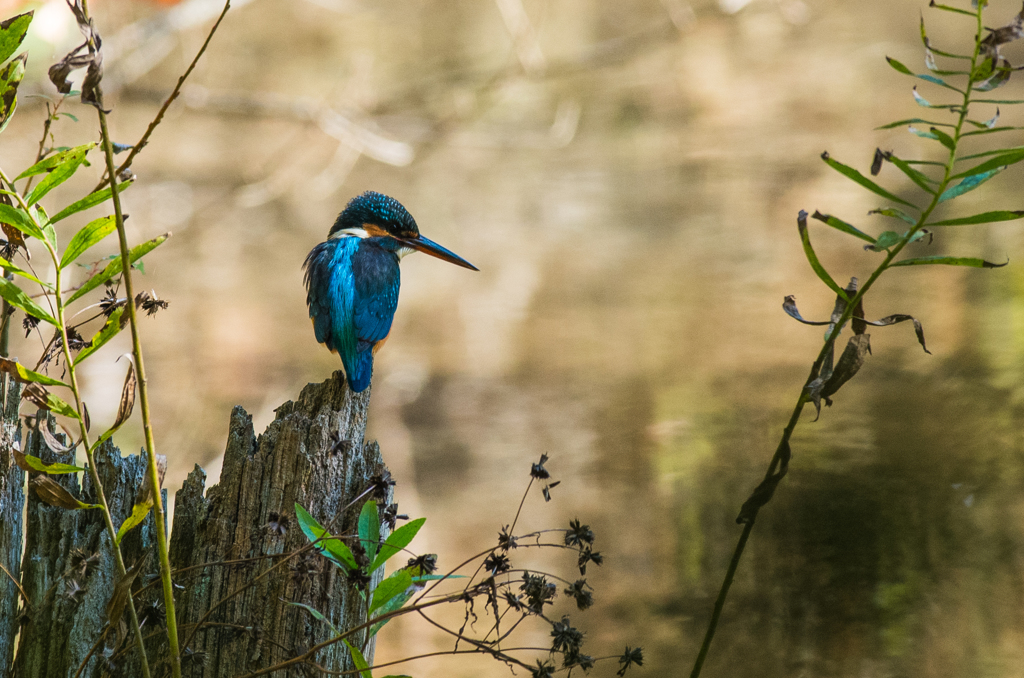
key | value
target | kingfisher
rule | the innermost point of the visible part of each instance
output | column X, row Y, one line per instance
column 352, row 279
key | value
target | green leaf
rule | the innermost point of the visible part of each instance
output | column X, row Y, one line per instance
column 57, row 469
column 58, row 406
column 114, row 267
column 911, row 121
column 947, row 8
column 317, row 614
column 90, row 234
column 90, row 200
column 943, row 138
column 856, row 176
column 998, row 162
column 330, row 547
column 12, row 33
column 813, row 258
column 983, row 218
column 898, row 66
column 139, row 513
column 995, row 151
column 886, row 240
column 17, row 298
column 398, row 583
column 25, row 375
column 968, row 184
column 11, row 268
column 359, row 660
column 918, row 177
column 369, row 528
column 48, row 164
column 928, row 46
column 896, row 214
column 841, row 225
column 392, row 605
column 397, row 541
column 993, row 130
column 10, row 78
column 948, row 261
column 109, row 330
column 60, row 173
column 19, row 219
column 997, row 101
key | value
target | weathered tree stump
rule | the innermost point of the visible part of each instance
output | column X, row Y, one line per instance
column 242, row 575
column 68, row 569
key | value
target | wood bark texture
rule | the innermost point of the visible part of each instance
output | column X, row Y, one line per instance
column 12, row 504
column 312, row 454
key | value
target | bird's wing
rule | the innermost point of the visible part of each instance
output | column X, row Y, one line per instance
column 329, row 295
column 377, row 278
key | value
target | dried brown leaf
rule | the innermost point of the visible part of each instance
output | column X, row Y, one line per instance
column 127, row 404
column 123, row 588
column 55, row 495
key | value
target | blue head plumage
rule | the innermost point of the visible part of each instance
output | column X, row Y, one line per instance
column 352, row 279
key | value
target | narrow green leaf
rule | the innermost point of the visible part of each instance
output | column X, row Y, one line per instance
column 1008, row 102
column 994, row 130
column 910, row 121
column 10, row 79
column 139, row 513
column 968, row 184
column 392, row 605
column 55, row 469
column 841, row 225
column 90, row 234
column 318, row 615
column 17, row 298
column 19, row 219
column 948, row 261
column 918, row 177
column 856, row 176
column 998, row 162
column 330, row 547
column 896, row 214
column 805, row 238
column 898, row 66
column 397, row 541
column 983, row 218
column 956, row 10
column 369, row 528
column 59, row 174
column 12, row 33
column 359, row 660
column 90, row 200
column 994, row 151
column 109, row 330
column 27, row 376
column 397, row 584
column 114, row 267
column 58, row 406
column 11, row 268
column 886, row 240
column 928, row 46
column 48, row 164
column 943, row 138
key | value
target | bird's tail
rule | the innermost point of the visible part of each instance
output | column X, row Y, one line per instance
column 361, row 371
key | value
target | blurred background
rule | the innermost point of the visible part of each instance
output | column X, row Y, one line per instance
column 626, row 175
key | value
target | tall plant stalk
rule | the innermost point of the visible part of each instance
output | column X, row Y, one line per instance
column 988, row 70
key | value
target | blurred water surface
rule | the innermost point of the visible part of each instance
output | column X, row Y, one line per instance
column 626, row 175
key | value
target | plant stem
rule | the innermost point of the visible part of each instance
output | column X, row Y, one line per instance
column 147, row 424
column 829, row 343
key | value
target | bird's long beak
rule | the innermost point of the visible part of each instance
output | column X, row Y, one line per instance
column 433, row 249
